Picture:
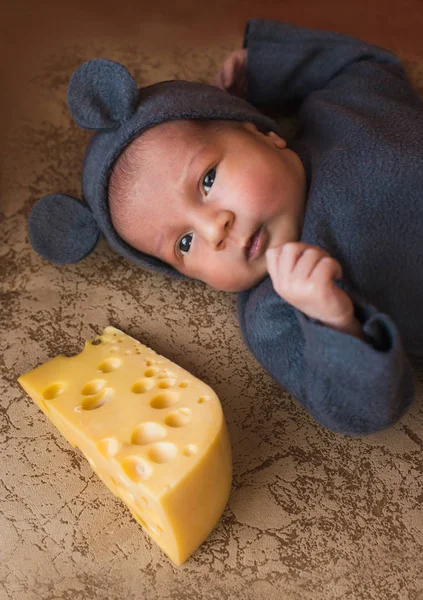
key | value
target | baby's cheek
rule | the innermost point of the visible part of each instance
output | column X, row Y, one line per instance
column 261, row 195
column 217, row 276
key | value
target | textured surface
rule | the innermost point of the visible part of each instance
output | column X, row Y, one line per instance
column 311, row 516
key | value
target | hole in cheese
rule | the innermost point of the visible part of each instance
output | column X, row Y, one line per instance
column 166, row 374
column 137, row 469
column 151, row 372
column 190, row 450
column 98, row 400
column 203, row 399
column 179, row 418
column 164, row 400
column 156, row 529
column 93, row 387
column 166, row 383
column 54, row 390
column 140, row 521
column 162, row 452
column 184, row 384
column 44, row 407
column 125, row 495
column 142, row 386
column 108, row 447
column 147, row 433
column 110, row 364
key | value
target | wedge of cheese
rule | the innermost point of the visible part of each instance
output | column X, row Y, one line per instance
column 152, row 432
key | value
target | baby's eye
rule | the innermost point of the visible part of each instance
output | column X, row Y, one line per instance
column 209, row 180
column 185, row 243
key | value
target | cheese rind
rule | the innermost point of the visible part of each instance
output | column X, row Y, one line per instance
column 151, row 431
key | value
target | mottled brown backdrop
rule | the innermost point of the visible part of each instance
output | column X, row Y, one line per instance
column 312, row 515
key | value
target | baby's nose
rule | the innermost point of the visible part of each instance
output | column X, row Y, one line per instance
column 217, row 227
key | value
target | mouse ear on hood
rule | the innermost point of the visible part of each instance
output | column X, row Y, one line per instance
column 102, row 94
column 62, row 229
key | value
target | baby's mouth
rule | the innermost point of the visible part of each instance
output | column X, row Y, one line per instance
column 256, row 244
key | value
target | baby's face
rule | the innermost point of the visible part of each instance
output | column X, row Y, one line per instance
column 210, row 202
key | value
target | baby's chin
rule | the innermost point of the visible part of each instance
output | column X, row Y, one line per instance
column 236, row 286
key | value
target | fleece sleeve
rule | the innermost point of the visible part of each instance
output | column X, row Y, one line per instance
column 349, row 385
column 286, row 63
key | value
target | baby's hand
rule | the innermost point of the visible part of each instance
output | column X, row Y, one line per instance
column 304, row 276
column 232, row 76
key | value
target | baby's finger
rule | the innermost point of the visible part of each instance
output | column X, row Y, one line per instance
column 273, row 256
column 290, row 256
column 219, row 80
column 228, row 71
column 307, row 262
column 221, row 77
column 239, row 66
column 327, row 269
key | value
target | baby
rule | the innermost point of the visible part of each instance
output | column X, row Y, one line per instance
column 321, row 237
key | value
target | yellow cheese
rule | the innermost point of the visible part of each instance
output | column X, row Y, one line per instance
column 152, row 432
